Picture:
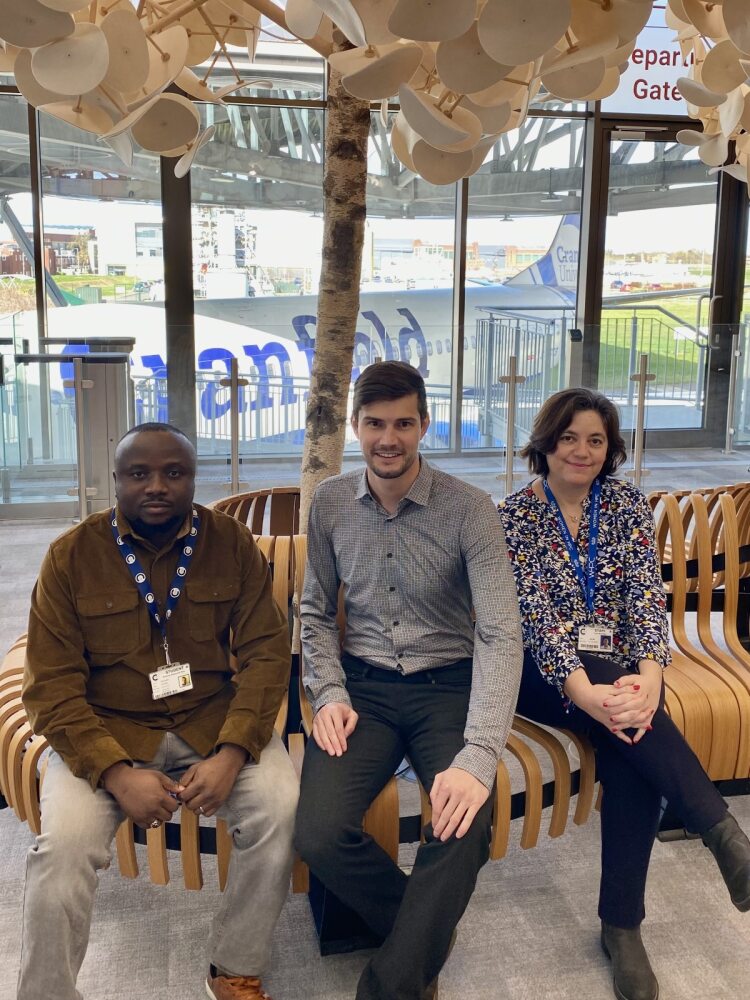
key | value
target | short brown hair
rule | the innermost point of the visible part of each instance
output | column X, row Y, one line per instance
column 557, row 414
column 387, row 380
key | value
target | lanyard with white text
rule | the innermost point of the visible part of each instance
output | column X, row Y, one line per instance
column 144, row 587
column 587, row 580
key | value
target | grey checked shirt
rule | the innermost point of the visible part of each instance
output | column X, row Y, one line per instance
column 410, row 582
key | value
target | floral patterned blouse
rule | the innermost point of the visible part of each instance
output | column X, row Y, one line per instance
column 629, row 596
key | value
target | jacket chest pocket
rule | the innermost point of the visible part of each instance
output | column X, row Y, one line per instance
column 110, row 622
column 209, row 606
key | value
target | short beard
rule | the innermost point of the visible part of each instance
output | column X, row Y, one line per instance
column 395, row 474
column 166, row 528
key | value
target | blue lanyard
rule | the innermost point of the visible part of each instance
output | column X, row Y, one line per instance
column 587, row 580
column 141, row 580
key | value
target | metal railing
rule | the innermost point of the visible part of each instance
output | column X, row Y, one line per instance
column 677, row 353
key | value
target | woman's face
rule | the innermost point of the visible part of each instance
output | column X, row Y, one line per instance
column 580, row 453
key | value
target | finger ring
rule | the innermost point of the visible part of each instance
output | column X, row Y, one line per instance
column 200, row 810
column 155, row 824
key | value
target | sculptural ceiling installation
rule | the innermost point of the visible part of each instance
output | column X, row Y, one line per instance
column 463, row 71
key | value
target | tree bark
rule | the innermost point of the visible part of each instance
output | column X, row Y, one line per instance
column 344, row 191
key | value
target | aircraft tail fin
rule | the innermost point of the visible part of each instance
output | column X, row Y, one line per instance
column 558, row 268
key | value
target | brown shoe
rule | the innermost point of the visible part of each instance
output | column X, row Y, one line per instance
column 234, row 987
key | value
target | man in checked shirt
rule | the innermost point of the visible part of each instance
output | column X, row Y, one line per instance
column 415, row 550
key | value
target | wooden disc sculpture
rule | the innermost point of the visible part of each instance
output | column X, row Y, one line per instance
column 715, row 42
column 464, row 71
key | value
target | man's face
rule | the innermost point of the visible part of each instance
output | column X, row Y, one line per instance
column 389, row 433
column 155, row 478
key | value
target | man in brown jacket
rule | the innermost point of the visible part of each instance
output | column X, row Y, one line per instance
column 134, row 617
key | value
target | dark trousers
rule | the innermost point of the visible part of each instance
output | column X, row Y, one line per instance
column 634, row 780
column 422, row 716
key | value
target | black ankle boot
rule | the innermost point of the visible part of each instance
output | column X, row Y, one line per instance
column 731, row 848
column 634, row 978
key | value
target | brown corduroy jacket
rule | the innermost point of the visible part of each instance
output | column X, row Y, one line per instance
column 92, row 645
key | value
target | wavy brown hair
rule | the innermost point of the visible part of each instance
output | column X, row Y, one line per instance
column 557, row 414
column 388, row 380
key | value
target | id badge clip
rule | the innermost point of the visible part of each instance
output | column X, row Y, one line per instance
column 173, row 679
column 595, row 639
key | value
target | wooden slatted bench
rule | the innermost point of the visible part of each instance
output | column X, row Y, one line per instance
column 708, row 699
column 708, row 686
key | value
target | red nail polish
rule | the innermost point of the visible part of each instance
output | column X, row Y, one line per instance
column 649, row 728
column 612, row 718
column 636, row 687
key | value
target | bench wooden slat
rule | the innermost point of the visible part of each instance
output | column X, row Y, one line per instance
column 192, row 872
column 561, row 769
column 30, row 782
column 532, row 772
column 127, row 859
column 501, row 813
column 156, row 851
column 223, row 852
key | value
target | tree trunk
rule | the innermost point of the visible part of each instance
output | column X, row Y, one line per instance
column 344, row 190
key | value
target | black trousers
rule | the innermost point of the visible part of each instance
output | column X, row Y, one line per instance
column 422, row 715
column 634, row 780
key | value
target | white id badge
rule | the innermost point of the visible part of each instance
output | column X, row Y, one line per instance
column 174, row 679
column 595, row 639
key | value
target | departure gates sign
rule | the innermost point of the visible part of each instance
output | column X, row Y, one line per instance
column 649, row 86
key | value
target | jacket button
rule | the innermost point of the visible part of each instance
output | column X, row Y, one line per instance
column 108, row 604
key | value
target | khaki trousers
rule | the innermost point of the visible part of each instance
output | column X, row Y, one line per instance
column 78, row 826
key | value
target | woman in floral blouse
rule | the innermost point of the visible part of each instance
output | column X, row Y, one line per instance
column 596, row 641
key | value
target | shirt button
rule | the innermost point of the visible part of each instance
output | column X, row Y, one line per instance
column 391, row 588
column 390, row 555
column 397, row 623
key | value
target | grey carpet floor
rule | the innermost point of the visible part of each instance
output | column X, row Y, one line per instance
column 530, row 932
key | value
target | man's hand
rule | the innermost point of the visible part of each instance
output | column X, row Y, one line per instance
column 456, row 798
column 331, row 726
column 207, row 784
column 142, row 794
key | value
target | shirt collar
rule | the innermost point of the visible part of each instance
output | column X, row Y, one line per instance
column 419, row 492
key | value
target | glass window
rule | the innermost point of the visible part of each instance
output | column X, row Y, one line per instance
column 406, row 292
column 523, row 235
column 658, row 267
column 257, row 222
column 20, row 411
column 103, row 256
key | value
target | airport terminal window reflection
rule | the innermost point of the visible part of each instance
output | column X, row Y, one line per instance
column 103, row 259
column 406, row 290
column 257, row 223
column 522, row 246
column 658, row 267
column 17, row 294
